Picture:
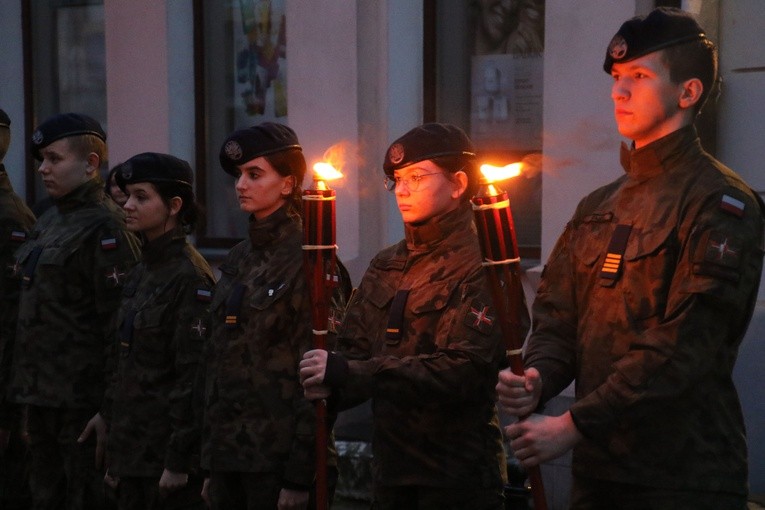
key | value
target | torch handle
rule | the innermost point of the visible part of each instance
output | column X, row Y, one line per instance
column 509, row 303
column 320, row 263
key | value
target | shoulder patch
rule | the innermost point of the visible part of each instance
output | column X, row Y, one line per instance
column 114, row 275
column 723, row 249
column 109, row 243
column 204, row 295
column 719, row 256
column 199, row 328
column 335, row 320
column 732, row 206
column 480, row 317
column 18, row 236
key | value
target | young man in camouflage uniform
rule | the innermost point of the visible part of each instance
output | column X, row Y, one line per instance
column 72, row 266
column 420, row 339
column 646, row 298
column 16, row 220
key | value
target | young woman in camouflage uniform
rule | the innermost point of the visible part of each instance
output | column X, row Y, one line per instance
column 154, row 436
column 258, row 442
column 420, row 339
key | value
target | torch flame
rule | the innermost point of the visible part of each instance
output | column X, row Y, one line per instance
column 499, row 173
column 326, row 172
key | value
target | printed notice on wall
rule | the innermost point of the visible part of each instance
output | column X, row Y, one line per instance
column 506, row 110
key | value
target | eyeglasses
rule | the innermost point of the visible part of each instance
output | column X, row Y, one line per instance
column 412, row 182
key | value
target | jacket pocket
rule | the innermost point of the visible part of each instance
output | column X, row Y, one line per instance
column 648, row 270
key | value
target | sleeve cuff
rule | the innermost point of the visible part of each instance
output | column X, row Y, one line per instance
column 336, row 373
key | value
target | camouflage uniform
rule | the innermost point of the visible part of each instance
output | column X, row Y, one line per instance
column 162, row 324
column 256, row 418
column 431, row 383
column 73, row 266
column 16, row 220
column 651, row 345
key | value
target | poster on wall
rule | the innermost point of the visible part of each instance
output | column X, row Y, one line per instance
column 506, row 109
column 506, row 76
column 260, row 67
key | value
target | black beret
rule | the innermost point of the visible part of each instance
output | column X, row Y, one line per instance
column 247, row 144
column 663, row 27
column 154, row 167
column 64, row 125
column 5, row 120
column 428, row 141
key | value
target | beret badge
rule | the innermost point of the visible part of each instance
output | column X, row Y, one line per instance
column 396, row 153
column 127, row 171
column 37, row 137
column 618, row 47
column 233, row 150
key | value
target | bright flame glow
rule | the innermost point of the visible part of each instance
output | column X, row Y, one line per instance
column 326, row 172
column 499, row 173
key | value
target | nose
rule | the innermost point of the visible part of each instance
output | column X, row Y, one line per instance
column 43, row 166
column 402, row 185
column 619, row 90
column 239, row 183
column 129, row 204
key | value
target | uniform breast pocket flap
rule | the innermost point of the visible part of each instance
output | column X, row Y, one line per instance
column 642, row 244
column 590, row 239
column 265, row 297
column 380, row 294
column 150, row 317
column 54, row 256
column 428, row 298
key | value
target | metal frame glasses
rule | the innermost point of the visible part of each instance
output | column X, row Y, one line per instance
column 412, row 182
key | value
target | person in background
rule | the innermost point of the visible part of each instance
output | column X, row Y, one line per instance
column 646, row 297
column 420, row 339
column 258, row 437
column 16, row 221
column 73, row 266
column 162, row 326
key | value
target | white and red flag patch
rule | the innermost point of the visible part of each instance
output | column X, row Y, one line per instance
column 732, row 205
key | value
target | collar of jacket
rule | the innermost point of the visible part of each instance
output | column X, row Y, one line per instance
column 270, row 229
column 5, row 182
column 163, row 247
column 656, row 157
column 428, row 235
column 85, row 194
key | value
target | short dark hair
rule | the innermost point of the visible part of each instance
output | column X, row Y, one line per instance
column 694, row 59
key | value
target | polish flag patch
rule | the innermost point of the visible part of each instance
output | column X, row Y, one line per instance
column 732, row 205
column 109, row 243
column 18, row 236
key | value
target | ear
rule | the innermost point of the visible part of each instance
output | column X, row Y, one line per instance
column 289, row 185
column 175, row 205
column 93, row 163
column 690, row 93
column 460, row 181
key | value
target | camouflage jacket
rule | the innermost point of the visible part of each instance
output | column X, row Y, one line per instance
column 16, row 220
column 651, row 341
column 256, row 418
column 161, row 330
column 73, row 267
column 422, row 341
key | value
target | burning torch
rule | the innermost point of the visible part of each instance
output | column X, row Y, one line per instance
column 319, row 264
column 502, row 262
